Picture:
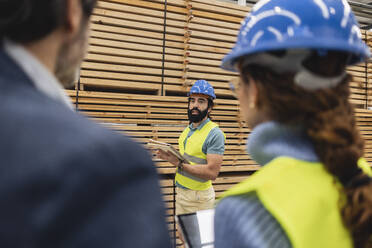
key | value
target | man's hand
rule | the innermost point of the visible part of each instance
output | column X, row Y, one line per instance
column 167, row 156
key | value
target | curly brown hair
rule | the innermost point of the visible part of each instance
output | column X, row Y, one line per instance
column 328, row 118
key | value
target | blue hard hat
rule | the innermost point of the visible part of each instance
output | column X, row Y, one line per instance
column 303, row 24
column 202, row 87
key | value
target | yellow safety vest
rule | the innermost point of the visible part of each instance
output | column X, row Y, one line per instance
column 304, row 198
column 194, row 154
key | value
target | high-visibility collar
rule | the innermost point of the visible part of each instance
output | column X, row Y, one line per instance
column 201, row 125
column 304, row 198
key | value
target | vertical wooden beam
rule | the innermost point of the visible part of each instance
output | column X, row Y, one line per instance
column 187, row 35
column 163, row 55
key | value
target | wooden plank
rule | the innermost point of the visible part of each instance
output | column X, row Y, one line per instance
column 217, row 9
column 152, row 5
column 118, row 76
column 130, row 9
column 218, row 30
column 215, row 23
column 125, row 38
column 126, row 45
column 107, row 21
column 123, row 68
column 131, row 61
column 135, row 32
column 219, row 17
column 212, row 43
column 210, row 69
column 138, row 17
column 134, row 54
column 213, row 36
column 140, row 3
column 108, row 83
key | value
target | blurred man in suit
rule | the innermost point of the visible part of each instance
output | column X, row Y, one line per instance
column 64, row 181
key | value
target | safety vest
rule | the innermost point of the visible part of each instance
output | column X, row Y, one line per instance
column 304, row 198
column 195, row 155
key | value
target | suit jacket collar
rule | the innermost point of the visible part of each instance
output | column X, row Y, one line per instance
column 35, row 73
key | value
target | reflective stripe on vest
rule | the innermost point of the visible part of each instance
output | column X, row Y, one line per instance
column 194, row 154
column 304, row 198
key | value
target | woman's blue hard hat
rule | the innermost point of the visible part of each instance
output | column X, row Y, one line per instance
column 320, row 25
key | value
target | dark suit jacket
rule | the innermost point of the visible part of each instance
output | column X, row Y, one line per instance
column 67, row 182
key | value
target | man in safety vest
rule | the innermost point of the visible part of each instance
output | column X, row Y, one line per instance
column 202, row 144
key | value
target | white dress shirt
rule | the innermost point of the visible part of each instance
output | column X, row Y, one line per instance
column 41, row 77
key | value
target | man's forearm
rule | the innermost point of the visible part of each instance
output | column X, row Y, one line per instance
column 203, row 171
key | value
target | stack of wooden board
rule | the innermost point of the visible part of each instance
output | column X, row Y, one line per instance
column 144, row 56
column 131, row 50
column 163, row 118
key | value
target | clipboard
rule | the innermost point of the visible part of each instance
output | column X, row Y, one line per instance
column 197, row 228
column 154, row 144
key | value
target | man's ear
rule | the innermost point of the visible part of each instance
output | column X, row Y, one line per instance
column 74, row 15
column 209, row 110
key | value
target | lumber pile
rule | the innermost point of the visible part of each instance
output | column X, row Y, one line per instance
column 144, row 56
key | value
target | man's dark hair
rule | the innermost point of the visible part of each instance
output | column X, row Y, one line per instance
column 210, row 105
column 30, row 20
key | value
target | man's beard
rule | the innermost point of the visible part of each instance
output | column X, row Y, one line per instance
column 70, row 56
column 199, row 117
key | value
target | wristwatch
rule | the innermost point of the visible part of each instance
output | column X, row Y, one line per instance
column 180, row 164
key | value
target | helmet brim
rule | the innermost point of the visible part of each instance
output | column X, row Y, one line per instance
column 359, row 52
